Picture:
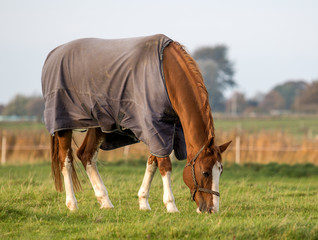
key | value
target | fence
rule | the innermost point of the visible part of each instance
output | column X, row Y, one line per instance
column 3, row 147
column 239, row 149
column 260, row 148
column 26, row 147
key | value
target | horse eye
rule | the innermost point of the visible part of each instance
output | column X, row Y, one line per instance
column 205, row 174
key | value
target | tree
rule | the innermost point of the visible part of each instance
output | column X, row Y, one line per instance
column 1, row 108
column 307, row 101
column 16, row 106
column 217, row 71
column 22, row 105
column 272, row 101
column 289, row 91
column 35, row 107
column 209, row 71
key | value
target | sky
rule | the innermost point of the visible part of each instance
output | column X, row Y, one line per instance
column 269, row 41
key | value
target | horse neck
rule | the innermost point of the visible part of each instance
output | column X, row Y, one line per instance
column 188, row 97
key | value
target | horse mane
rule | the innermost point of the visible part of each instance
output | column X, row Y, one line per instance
column 197, row 77
column 193, row 67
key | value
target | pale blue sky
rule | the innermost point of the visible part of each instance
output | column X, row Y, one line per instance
column 269, row 41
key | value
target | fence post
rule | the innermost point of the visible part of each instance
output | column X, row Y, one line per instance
column 3, row 147
column 237, row 149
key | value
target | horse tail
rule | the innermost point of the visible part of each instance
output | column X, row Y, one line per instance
column 57, row 168
column 55, row 164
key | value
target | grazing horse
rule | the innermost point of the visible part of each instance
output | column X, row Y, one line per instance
column 124, row 91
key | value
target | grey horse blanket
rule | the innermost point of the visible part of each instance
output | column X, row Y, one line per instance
column 117, row 85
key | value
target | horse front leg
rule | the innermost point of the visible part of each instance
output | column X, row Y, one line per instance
column 143, row 193
column 87, row 153
column 165, row 168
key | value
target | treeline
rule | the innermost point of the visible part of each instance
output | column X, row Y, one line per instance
column 21, row 105
column 218, row 73
column 294, row 96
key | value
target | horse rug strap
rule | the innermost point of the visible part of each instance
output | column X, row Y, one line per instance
column 117, row 85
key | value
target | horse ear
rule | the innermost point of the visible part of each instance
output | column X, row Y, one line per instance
column 224, row 146
column 211, row 142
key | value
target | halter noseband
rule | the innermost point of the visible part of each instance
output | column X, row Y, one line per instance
column 196, row 186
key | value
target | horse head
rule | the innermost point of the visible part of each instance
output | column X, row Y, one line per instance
column 202, row 174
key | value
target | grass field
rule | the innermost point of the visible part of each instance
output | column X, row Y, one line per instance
column 296, row 126
column 257, row 202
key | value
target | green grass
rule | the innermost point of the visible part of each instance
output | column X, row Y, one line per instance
column 257, row 202
column 18, row 126
column 292, row 125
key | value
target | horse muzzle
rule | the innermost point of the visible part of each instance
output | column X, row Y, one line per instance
column 210, row 210
column 205, row 209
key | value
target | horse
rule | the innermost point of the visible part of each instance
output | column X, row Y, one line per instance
column 180, row 113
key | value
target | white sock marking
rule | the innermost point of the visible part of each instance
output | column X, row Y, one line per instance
column 143, row 193
column 97, row 183
column 71, row 202
column 168, row 198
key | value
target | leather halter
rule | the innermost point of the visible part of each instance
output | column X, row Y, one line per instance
column 197, row 188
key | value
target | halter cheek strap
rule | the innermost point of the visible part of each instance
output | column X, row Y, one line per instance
column 197, row 188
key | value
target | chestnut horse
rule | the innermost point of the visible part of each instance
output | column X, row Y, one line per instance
column 189, row 99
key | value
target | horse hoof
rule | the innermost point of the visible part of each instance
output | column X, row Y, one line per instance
column 171, row 207
column 105, row 203
column 143, row 204
column 72, row 206
column 106, row 206
column 144, row 208
column 173, row 211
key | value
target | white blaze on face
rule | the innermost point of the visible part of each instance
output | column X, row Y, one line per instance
column 216, row 173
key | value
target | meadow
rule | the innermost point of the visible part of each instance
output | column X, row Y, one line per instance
column 294, row 125
column 272, row 194
column 270, row 201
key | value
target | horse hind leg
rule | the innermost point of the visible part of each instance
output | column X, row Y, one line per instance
column 87, row 153
column 143, row 193
column 62, row 158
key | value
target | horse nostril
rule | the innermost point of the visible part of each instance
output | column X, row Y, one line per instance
column 202, row 207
